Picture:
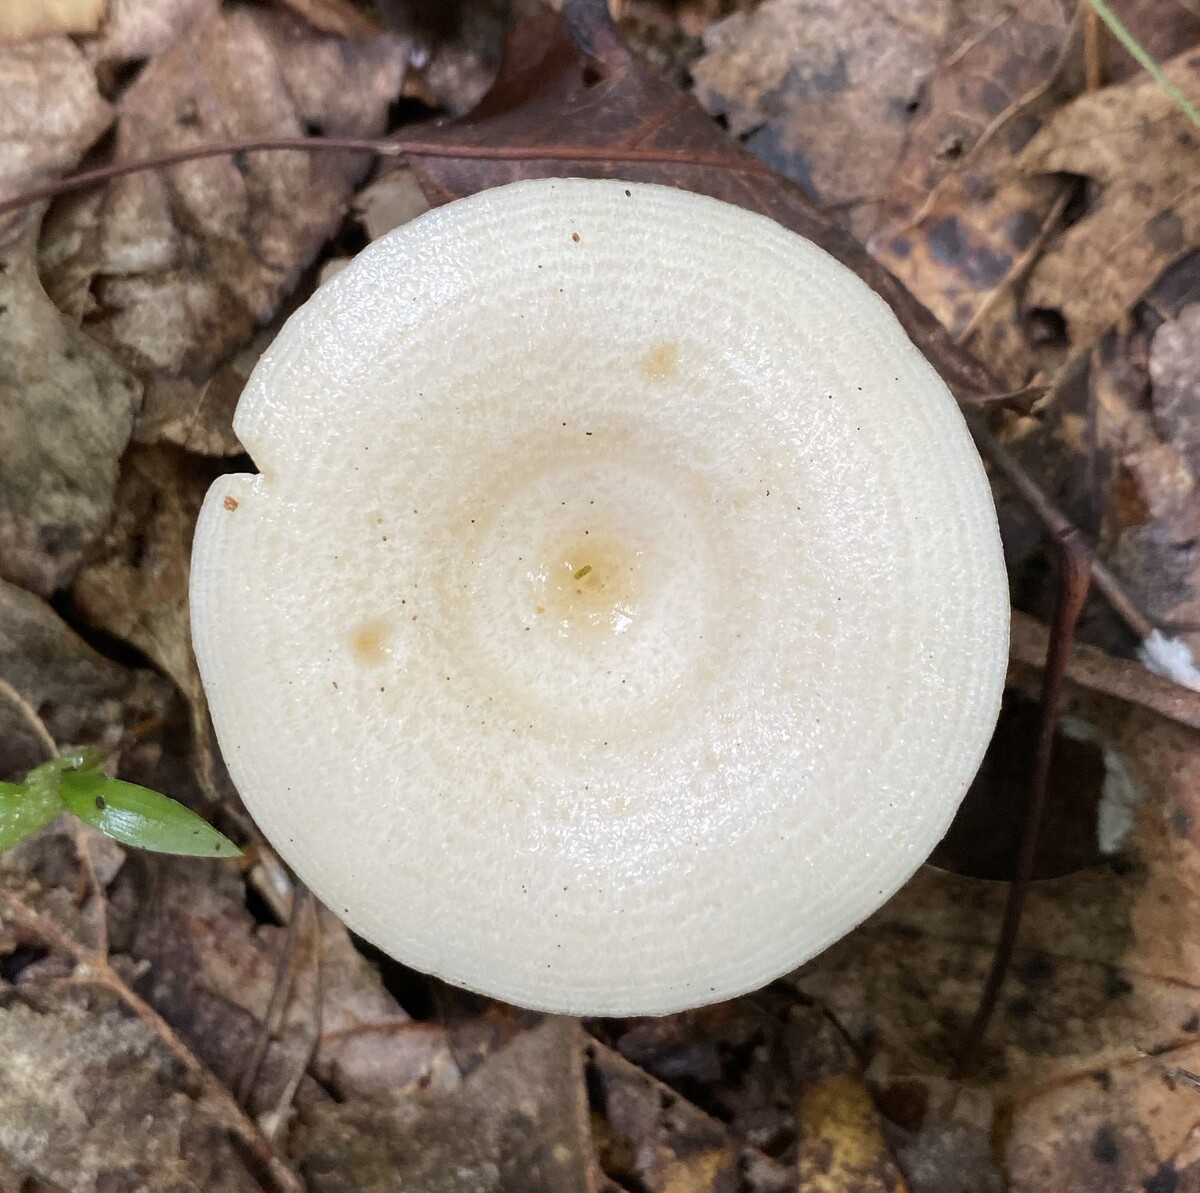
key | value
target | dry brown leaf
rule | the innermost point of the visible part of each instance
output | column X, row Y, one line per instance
column 1131, row 1129
column 840, row 1141
column 1144, row 154
column 134, row 586
column 1163, row 30
column 83, row 698
column 1156, row 552
column 23, row 20
column 729, row 1059
column 394, row 198
column 44, row 871
column 51, row 113
column 983, row 99
column 66, row 412
column 1105, row 978
column 458, row 45
column 93, row 1103
column 176, row 270
column 952, row 231
column 800, row 80
column 518, row 1124
column 932, row 96
column 135, row 30
column 211, row 972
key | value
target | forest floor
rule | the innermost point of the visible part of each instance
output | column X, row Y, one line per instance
column 173, row 1024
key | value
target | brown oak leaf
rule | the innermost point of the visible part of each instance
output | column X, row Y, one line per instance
column 1144, row 154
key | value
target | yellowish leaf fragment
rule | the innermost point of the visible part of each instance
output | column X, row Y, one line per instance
column 841, row 1145
column 21, row 20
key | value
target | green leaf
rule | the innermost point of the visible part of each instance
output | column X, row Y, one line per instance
column 138, row 816
column 24, row 810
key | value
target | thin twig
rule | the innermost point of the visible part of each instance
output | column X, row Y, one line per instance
column 279, row 1114
column 744, row 164
column 278, row 1000
column 175, row 157
column 1020, row 267
column 1090, row 668
column 31, row 717
column 94, row 969
column 1056, row 523
column 1074, row 574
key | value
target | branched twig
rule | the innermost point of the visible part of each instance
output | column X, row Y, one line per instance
column 94, row 969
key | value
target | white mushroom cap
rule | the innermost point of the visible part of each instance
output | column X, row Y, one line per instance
column 619, row 616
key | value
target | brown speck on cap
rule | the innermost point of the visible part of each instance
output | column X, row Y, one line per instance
column 368, row 642
column 661, row 363
column 230, row 504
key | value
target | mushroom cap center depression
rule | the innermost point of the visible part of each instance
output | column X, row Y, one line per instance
column 586, row 582
column 619, row 616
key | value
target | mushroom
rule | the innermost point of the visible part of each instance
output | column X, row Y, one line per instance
column 619, row 614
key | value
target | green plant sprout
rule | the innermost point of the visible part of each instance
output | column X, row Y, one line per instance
column 1142, row 57
column 133, row 815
